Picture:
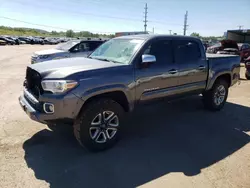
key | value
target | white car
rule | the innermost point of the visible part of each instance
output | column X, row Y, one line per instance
column 72, row 48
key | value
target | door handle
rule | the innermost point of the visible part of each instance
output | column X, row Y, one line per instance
column 201, row 67
column 173, row 71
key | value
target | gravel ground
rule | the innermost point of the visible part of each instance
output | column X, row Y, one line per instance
column 176, row 144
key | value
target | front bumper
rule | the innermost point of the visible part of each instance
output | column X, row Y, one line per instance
column 30, row 111
column 66, row 106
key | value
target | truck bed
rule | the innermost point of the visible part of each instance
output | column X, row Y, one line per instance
column 213, row 56
column 225, row 63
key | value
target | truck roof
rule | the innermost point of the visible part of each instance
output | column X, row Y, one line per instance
column 151, row 36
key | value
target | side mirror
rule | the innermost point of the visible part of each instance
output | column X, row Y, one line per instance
column 147, row 60
column 75, row 50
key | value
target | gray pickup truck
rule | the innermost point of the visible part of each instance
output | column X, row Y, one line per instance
column 93, row 93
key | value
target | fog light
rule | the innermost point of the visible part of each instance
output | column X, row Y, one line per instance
column 48, row 108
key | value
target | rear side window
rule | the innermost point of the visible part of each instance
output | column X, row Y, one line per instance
column 186, row 51
column 94, row 44
column 83, row 47
column 162, row 50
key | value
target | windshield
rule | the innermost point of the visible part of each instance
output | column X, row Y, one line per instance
column 117, row 50
column 66, row 46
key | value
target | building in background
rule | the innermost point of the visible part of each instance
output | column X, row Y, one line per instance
column 130, row 33
column 240, row 36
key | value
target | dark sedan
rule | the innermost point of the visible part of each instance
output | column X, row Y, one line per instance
column 8, row 41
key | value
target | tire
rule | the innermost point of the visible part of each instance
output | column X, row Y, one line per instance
column 247, row 77
column 219, row 89
column 91, row 129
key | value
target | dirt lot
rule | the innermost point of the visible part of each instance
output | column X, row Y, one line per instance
column 173, row 145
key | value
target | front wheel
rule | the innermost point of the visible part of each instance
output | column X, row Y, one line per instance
column 215, row 98
column 98, row 126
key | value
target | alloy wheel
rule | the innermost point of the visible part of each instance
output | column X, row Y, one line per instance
column 104, row 126
column 219, row 95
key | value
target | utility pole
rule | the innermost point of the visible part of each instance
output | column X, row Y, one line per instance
column 170, row 32
column 185, row 23
column 240, row 27
column 153, row 30
column 145, row 17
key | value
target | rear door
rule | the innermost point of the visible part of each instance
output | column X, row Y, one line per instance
column 154, row 82
column 192, row 65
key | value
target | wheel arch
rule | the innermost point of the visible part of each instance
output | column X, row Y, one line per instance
column 225, row 76
column 118, row 96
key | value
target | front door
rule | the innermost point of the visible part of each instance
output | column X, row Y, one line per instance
column 153, row 82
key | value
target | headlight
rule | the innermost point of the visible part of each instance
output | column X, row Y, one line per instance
column 58, row 86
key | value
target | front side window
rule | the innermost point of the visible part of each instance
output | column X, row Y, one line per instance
column 162, row 50
column 117, row 50
column 66, row 46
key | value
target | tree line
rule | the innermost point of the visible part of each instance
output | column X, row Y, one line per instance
column 38, row 32
column 213, row 38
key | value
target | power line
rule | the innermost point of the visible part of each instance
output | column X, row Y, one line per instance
column 164, row 23
column 61, row 28
column 145, row 17
column 78, row 13
column 185, row 23
column 97, row 15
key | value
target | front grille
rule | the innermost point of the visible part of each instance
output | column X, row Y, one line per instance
column 33, row 82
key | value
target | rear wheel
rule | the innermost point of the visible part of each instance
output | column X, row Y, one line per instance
column 98, row 126
column 215, row 98
column 247, row 76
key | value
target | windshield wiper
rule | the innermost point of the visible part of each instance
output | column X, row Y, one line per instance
column 104, row 59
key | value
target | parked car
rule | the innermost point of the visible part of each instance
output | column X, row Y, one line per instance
column 224, row 47
column 74, row 48
column 244, row 50
column 93, row 93
column 3, row 42
column 205, row 44
column 247, row 65
column 48, row 41
column 22, row 42
column 17, row 41
column 36, row 40
column 8, row 41
column 25, row 39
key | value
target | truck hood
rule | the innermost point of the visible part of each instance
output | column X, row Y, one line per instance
column 49, row 51
column 62, row 68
